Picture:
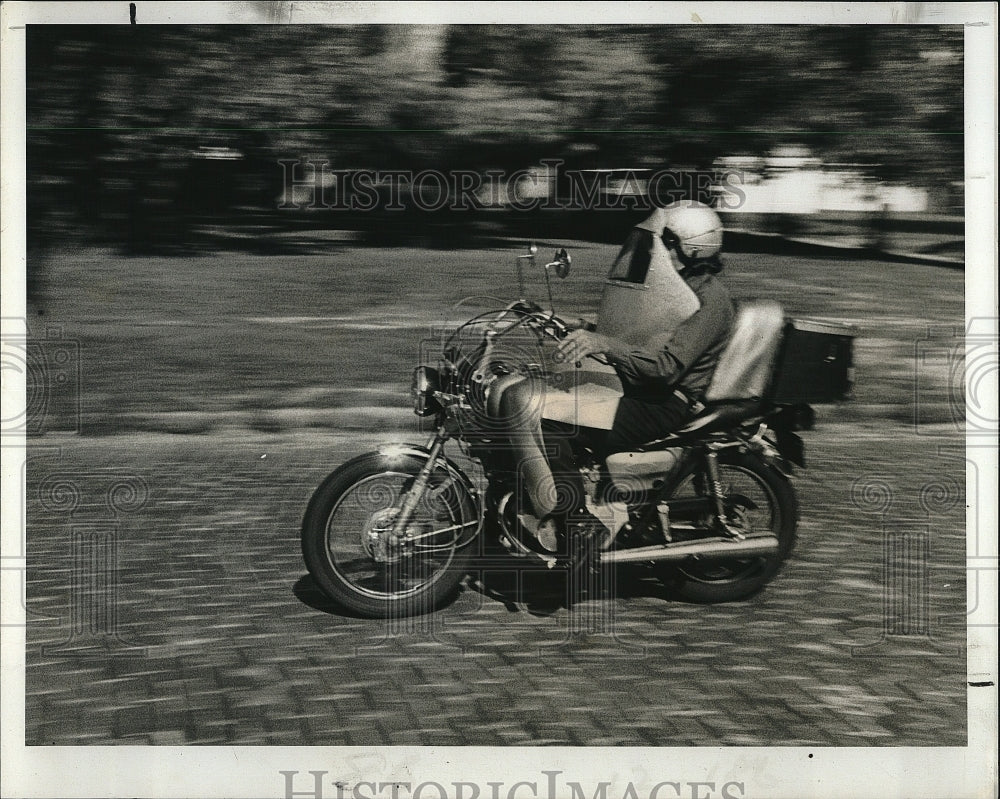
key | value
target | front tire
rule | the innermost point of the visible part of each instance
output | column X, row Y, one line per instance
column 341, row 530
column 759, row 498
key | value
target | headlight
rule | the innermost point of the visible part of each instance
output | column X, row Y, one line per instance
column 426, row 380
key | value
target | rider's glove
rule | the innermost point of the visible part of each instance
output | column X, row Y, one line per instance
column 581, row 343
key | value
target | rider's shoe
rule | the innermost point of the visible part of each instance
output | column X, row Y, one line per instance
column 550, row 534
column 580, row 539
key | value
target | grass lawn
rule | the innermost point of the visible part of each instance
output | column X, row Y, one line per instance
column 189, row 344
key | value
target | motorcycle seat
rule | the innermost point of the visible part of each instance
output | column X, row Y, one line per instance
column 720, row 416
column 714, row 418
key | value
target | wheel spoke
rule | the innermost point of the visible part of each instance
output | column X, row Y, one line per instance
column 358, row 530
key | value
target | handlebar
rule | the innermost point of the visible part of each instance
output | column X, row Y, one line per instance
column 552, row 326
column 528, row 315
column 542, row 321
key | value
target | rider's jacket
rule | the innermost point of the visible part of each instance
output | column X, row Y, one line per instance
column 684, row 358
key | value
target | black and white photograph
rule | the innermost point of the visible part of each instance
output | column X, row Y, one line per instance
column 499, row 400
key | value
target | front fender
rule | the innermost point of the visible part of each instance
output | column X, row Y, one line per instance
column 391, row 451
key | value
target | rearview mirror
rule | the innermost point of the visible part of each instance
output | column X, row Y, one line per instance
column 563, row 261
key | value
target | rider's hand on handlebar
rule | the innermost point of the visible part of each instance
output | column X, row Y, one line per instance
column 581, row 343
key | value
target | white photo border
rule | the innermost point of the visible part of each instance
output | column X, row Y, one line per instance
column 231, row 771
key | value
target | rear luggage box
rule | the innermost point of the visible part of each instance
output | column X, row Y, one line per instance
column 815, row 363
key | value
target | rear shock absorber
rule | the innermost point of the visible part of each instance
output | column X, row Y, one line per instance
column 715, row 490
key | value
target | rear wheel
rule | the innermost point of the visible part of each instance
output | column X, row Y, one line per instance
column 347, row 543
column 758, row 499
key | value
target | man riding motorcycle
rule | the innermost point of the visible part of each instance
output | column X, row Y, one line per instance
column 663, row 321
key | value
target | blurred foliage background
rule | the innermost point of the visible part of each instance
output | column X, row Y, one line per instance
column 154, row 141
column 137, row 134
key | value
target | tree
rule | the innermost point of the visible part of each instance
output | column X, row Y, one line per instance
column 114, row 112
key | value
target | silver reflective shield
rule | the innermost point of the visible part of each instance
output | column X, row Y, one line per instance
column 644, row 297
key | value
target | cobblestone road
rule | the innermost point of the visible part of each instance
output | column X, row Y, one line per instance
column 187, row 548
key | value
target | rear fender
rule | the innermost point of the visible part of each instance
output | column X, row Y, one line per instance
column 792, row 450
column 784, row 421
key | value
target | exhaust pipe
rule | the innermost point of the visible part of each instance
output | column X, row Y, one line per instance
column 705, row 548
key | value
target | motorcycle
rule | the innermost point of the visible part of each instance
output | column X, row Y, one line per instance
column 709, row 507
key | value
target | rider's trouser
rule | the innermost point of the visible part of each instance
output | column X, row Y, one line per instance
column 519, row 402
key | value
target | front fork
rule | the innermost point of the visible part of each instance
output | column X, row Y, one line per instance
column 420, row 482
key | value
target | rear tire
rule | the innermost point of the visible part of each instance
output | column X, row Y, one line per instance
column 337, row 550
column 709, row 582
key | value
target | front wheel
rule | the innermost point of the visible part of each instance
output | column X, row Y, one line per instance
column 349, row 548
column 757, row 499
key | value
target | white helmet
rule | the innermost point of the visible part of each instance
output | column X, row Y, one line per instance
column 696, row 228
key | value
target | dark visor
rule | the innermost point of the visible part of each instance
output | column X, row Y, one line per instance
column 632, row 263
